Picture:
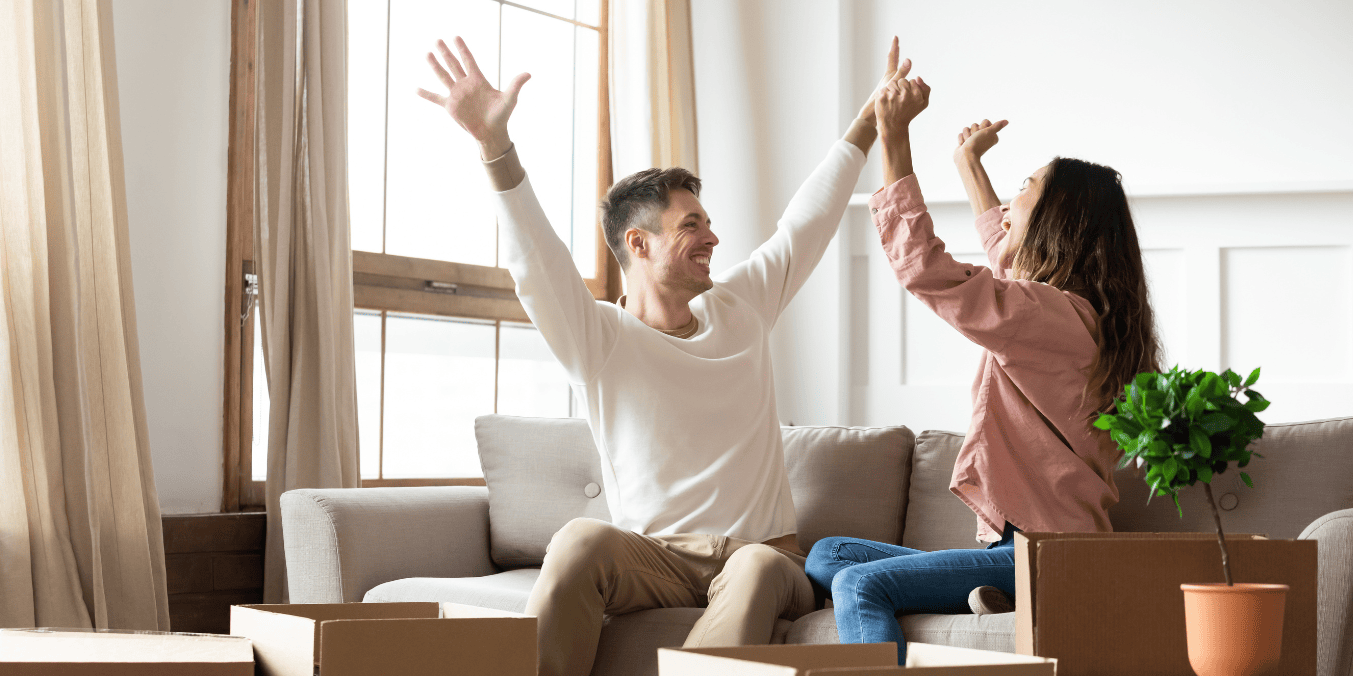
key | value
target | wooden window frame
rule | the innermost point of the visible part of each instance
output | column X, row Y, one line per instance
column 382, row 282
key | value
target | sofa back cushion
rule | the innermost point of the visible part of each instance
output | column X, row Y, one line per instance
column 538, row 471
column 849, row 481
column 936, row 518
column 544, row 472
column 1306, row 472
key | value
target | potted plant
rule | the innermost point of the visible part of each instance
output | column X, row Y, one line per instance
column 1186, row 427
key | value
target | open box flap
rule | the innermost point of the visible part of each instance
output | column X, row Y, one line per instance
column 284, row 644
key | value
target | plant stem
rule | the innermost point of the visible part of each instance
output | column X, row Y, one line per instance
column 1221, row 537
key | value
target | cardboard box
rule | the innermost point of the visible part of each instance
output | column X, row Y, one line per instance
column 1110, row 604
column 76, row 652
column 868, row 659
column 370, row 639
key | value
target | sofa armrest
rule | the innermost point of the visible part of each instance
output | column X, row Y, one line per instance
column 1334, row 607
column 341, row 542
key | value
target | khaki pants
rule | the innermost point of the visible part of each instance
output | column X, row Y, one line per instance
column 594, row 568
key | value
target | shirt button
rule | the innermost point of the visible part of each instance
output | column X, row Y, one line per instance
column 873, row 211
column 592, row 490
column 968, row 272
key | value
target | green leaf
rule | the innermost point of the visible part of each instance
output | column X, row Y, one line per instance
column 1144, row 440
column 1246, row 478
column 1199, row 442
column 1194, row 402
column 1256, row 402
column 1213, row 385
column 1254, row 377
column 1158, row 448
column 1169, row 469
column 1231, row 377
column 1123, row 440
column 1131, row 427
column 1145, row 381
column 1105, row 421
column 1205, row 474
column 1216, row 423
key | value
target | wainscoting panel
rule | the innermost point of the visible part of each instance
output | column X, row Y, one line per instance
column 1289, row 309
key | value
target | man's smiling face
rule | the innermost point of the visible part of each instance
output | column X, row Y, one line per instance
column 681, row 255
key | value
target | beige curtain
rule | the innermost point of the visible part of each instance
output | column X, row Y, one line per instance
column 652, row 85
column 303, row 256
column 80, row 539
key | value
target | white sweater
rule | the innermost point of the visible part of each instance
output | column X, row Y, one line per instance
column 686, row 428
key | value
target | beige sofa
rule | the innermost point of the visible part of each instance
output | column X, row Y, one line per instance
column 482, row 546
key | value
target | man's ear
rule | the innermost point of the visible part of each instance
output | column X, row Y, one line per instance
column 636, row 243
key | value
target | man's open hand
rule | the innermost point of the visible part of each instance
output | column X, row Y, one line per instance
column 471, row 101
column 899, row 102
column 975, row 140
column 890, row 71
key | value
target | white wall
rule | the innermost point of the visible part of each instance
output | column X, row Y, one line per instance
column 173, row 66
column 1212, row 113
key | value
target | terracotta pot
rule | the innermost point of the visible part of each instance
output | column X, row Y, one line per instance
column 1236, row 630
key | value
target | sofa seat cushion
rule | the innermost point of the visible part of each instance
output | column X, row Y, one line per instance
column 503, row 591
column 981, row 632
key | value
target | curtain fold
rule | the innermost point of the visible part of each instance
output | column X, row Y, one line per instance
column 652, row 85
column 80, row 532
column 303, row 257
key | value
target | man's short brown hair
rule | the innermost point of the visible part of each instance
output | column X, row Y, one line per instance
column 637, row 201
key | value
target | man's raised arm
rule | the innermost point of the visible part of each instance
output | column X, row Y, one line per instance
column 778, row 268
column 549, row 287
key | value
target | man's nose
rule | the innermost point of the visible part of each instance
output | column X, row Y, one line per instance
column 1005, row 208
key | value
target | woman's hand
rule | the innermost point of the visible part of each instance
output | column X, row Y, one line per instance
column 898, row 103
column 975, row 140
column 472, row 102
column 890, row 71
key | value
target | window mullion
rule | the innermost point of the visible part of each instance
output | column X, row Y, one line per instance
column 380, row 442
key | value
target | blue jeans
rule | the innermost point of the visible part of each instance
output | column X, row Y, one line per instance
column 871, row 582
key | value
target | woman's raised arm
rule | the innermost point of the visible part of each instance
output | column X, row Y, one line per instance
column 973, row 142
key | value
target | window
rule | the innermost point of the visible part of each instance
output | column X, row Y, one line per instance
column 440, row 336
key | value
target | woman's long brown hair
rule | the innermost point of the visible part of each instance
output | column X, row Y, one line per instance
column 1081, row 239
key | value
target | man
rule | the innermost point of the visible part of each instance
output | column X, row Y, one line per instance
column 677, row 383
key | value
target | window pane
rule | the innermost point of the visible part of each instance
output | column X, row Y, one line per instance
column 530, row 381
column 366, row 122
column 585, row 152
column 589, row 11
column 543, row 120
column 366, row 332
column 259, row 462
column 562, row 8
column 438, row 379
column 437, row 202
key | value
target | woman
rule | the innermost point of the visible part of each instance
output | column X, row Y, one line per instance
column 1063, row 317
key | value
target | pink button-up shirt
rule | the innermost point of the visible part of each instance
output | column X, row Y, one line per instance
column 1031, row 456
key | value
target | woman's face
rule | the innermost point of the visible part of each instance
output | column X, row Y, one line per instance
column 1015, row 215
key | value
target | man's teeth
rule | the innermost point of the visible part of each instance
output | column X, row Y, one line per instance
column 703, row 260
